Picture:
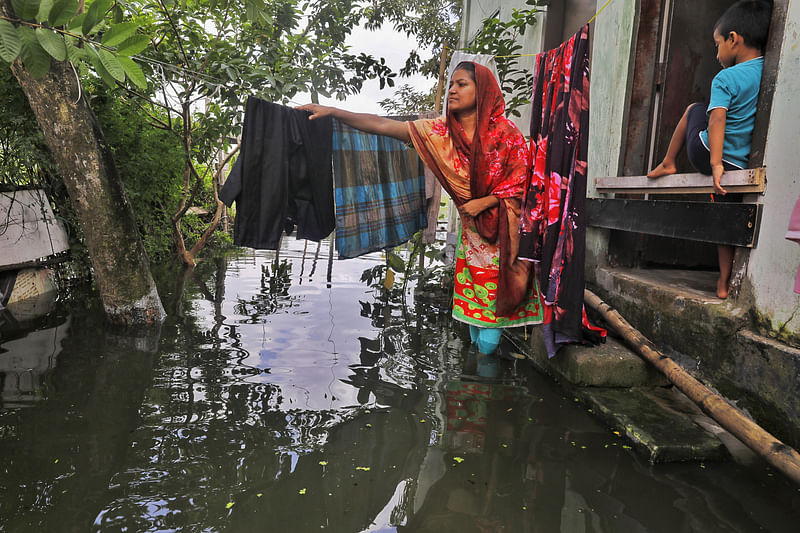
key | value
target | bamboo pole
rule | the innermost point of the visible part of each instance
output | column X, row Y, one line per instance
column 440, row 86
column 775, row 452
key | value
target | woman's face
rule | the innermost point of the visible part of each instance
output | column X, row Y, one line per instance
column 461, row 94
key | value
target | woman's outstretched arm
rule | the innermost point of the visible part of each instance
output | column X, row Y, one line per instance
column 361, row 121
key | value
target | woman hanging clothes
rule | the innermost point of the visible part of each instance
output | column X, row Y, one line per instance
column 480, row 158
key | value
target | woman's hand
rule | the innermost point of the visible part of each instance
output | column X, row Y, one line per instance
column 477, row 206
column 316, row 110
column 716, row 172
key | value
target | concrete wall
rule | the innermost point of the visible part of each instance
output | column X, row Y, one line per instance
column 611, row 67
column 773, row 264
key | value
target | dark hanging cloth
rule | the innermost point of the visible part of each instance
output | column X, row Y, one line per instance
column 553, row 222
column 283, row 177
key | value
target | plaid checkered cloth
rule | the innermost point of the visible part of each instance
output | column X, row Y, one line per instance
column 379, row 191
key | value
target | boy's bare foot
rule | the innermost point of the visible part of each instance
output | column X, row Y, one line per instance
column 722, row 289
column 663, row 169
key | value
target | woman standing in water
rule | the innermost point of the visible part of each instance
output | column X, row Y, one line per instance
column 480, row 158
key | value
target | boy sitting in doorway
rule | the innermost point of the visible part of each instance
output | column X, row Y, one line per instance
column 718, row 137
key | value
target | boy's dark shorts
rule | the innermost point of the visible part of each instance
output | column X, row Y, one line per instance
column 699, row 156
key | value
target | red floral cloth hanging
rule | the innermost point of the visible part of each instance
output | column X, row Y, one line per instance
column 552, row 222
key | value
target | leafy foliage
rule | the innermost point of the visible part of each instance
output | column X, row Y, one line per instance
column 177, row 75
column 38, row 30
column 150, row 163
column 407, row 101
column 502, row 39
column 24, row 160
column 433, row 23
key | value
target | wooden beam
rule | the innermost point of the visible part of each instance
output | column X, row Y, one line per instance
column 734, row 181
column 734, row 224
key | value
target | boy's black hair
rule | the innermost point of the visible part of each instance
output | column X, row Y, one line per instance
column 748, row 18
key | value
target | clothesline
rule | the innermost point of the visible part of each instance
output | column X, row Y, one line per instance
column 590, row 21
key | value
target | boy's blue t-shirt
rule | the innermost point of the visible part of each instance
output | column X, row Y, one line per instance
column 736, row 89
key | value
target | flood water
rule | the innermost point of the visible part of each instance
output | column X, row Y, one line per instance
column 275, row 400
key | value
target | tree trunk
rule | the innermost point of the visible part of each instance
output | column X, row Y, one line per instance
column 119, row 261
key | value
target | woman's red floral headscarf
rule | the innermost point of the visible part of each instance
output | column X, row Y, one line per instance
column 484, row 178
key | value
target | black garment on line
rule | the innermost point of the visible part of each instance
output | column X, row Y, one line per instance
column 282, row 178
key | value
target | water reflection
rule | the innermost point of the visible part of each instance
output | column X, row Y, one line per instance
column 284, row 394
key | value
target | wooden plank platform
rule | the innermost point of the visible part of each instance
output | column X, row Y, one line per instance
column 735, row 224
column 752, row 180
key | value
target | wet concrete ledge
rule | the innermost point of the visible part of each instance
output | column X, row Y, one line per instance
column 712, row 339
column 633, row 398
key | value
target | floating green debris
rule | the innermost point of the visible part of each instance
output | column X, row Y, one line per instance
column 524, row 508
column 617, row 433
column 229, row 505
column 260, row 494
column 505, row 445
column 368, row 425
column 626, row 447
column 54, row 462
column 323, row 463
column 509, row 409
column 583, row 447
column 301, row 491
column 458, row 460
column 363, row 468
column 422, row 420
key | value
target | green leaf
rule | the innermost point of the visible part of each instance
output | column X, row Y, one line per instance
column 133, row 45
column 118, row 14
column 395, row 262
column 34, row 57
column 133, row 72
column 118, row 33
column 76, row 24
column 74, row 54
column 44, row 10
column 62, row 12
column 52, row 42
column 25, row 9
column 94, row 58
column 112, row 64
column 251, row 11
column 94, row 15
column 10, row 43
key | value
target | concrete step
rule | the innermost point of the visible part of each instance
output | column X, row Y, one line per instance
column 659, row 422
column 633, row 398
column 717, row 341
column 606, row 365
